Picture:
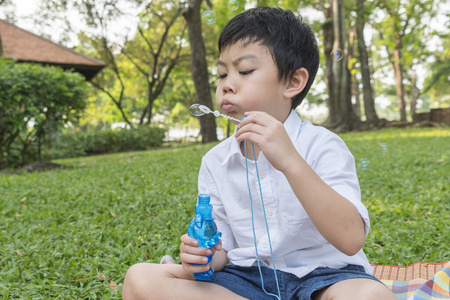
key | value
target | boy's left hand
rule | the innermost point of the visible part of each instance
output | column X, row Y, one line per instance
column 270, row 136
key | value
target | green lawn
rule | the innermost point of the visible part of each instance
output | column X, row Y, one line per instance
column 73, row 233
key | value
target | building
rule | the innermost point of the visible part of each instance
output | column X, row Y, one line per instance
column 25, row 46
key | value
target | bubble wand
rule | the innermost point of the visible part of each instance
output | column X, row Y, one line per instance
column 199, row 110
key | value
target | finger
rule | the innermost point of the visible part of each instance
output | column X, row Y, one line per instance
column 187, row 258
column 199, row 251
column 190, row 268
column 255, row 128
column 250, row 136
column 186, row 239
column 218, row 246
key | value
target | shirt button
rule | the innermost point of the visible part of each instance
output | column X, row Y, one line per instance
column 270, row 212
column 277, row 264
column 262, row 175
column 265, row 244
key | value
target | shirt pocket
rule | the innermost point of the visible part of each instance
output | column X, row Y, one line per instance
column 241, row 226
column 291, row 210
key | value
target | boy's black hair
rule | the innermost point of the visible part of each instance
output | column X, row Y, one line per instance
column 290, row 41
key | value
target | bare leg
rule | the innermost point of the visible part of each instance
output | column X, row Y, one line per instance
column 358, row 288
column 169, row 281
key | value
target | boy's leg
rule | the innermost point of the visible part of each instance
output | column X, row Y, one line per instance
column 169, row 281
column 358, row 288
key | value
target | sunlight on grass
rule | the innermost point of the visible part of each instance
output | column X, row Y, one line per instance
column 73, row 233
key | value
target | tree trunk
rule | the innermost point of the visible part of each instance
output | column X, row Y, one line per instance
column 341, row 116
column 355, row 82
column 150, row 108
column 414, row 94
column 398, row 73
column 1, row 47
column 369, row 102
column 199, row 69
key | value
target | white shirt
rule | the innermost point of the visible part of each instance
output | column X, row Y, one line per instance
column 298, row 247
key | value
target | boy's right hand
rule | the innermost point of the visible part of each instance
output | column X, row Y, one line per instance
column 191, row 254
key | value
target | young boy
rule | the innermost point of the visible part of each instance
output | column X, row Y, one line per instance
column 317, row 223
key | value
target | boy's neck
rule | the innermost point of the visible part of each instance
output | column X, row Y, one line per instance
column 250, row 151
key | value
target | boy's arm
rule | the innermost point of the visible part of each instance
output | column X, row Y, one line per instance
column 219, row 260
column 335, row 217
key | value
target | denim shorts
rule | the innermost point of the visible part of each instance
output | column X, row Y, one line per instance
column 246, row 281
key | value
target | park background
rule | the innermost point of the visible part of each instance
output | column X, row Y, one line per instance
column 73, row 230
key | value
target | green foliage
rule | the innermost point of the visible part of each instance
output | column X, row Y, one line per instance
column 105, row 141
column 35, row 102
column 437, row 84
column 68, row 234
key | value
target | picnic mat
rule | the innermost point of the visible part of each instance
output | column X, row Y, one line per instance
column 419, row 281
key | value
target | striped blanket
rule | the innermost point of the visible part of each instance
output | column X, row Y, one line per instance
column 419, row 281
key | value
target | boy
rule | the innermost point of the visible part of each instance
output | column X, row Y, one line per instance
column 317, row 223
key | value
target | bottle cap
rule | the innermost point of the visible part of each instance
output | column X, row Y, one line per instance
column 203, row 199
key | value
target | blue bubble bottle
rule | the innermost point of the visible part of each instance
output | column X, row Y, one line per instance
column 204, row 230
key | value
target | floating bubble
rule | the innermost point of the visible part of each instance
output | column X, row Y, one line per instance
column 337, row 54
column 209, row 17
column 364, row 164
column 233, row 4
column 384, row 147
column 199, row 110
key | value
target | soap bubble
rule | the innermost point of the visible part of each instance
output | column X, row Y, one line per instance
column 384, row 147
column 209, row 17
column 199, row 110
column 195, row 110
column 364, row 164
column 233, row 4
column 337, row 54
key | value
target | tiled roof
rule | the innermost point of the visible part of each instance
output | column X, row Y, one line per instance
column 25, row 46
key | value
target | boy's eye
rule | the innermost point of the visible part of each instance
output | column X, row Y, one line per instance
column 222, row 76
column 245, row 72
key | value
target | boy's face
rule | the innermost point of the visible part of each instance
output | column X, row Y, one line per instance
column 248, row 81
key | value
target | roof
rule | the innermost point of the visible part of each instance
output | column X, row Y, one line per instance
column 25, row 46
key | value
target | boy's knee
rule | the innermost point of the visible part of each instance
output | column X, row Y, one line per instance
column 377, row 292
column 364, row 289
column 374, row 291
column 135, row 281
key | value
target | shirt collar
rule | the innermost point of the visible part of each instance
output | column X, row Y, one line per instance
column 292, row 125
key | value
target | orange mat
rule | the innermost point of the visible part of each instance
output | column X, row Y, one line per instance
column 419, row 281
column 416, row 270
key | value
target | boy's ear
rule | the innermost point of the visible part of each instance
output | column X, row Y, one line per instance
column 297, row 83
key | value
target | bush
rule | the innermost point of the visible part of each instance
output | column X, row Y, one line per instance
column 35, row 102
column 105, row 141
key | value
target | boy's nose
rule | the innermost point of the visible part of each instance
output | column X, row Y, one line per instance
column 229, row 86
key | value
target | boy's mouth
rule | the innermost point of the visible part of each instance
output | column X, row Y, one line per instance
column 227, row 106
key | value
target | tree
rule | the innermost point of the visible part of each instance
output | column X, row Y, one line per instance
column 153, row 51
column 337, row 76
column 191, row 13
column 403, row 32
column 369, row 103
column 155, row 58
column 437, row 84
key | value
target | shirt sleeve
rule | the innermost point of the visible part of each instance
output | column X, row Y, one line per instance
column 207, row 185
column 335, row 165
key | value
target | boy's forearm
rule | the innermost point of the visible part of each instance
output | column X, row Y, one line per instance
column 336, row 218
column 219, row 261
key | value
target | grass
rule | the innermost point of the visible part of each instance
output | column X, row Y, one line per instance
column 73, row 233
